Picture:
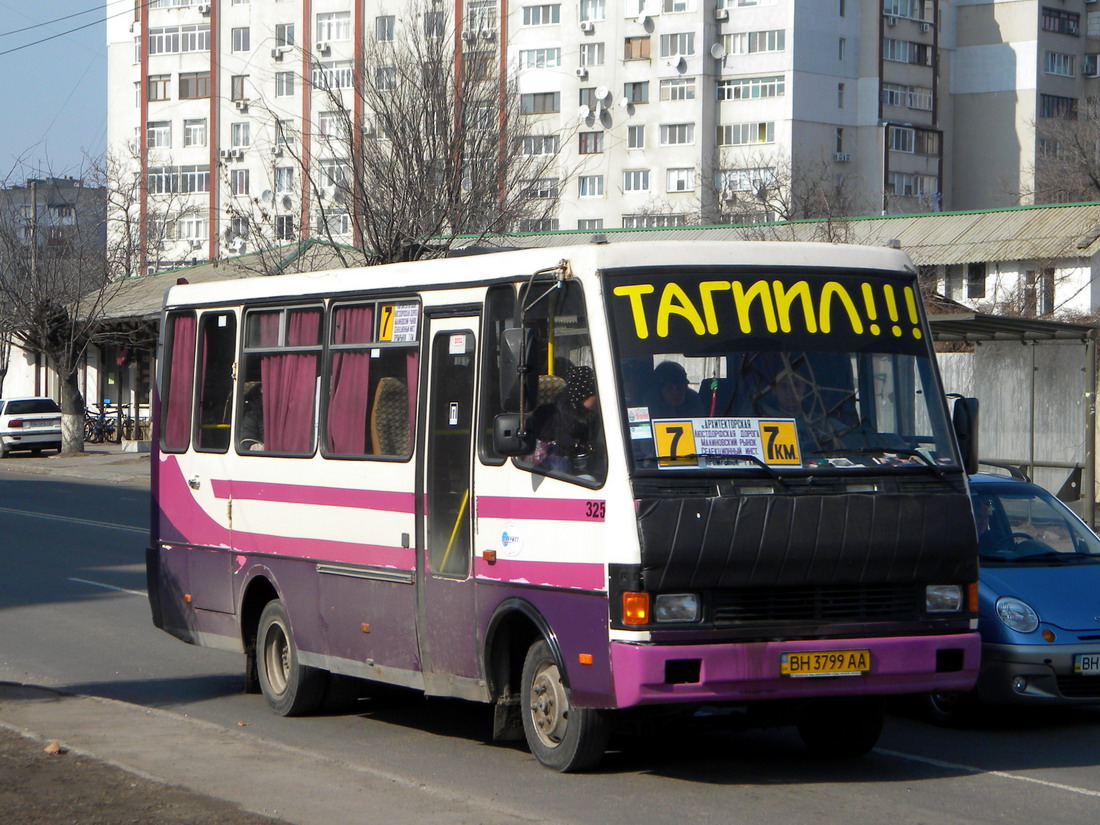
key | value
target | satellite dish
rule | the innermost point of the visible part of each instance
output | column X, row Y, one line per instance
column 717, row 51
column 583, row 112
column 287, row 202
column 268, row 196
column 624, row 101
column 599, row 108
column 642, row 19
column 602, row 93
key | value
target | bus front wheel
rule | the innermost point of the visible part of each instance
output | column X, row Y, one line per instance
column 291, row 689
column 559, row 735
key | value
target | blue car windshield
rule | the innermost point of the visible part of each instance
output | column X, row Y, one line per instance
column 1023, row 523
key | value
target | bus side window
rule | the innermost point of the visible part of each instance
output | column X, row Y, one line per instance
column 178, row 382
column 500, row 314
column 218, row 342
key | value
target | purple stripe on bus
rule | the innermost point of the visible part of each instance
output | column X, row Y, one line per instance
column 307, row 494
column 577, row 576
column 548, row 509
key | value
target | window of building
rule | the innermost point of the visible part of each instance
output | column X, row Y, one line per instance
column 1063, row 22
column 750, row 179
column 678, row 88
column 284, row 132
column 194, row 85
column 894, row 94
column 636, row 180
column 547, row 15
column 191, row 228
column 158, row 134
column 539, row 225
column 284, row 227
column 385, row 78
column 926, row 142
column 240, row 38
column 195, row 38
column 590, row 224
column 678, row 44
column 537, row 103
column 1058, row 63
column 674, row 6
column 900, row 138
column 240, row 134
column 237, row 87
column 333, row 221
column 840, row 95
column 284, row 34
column 195, row 178
column 637, row 92
column 334, row 172
column 541, row 188
column 590, row 186
column 636, row 48
column 653, row 221
column 549, row 58
column 975, row 280
column 284, row 84
column 677, row 134
column 751, row 88
column 194, row 132
column 162, row 180
column 680, row 180
column 481, row 15
column 905, row 51
column 743, row 134
column 284, row 180
column 238, row 181
column 635, row 137
column 1061, row 107
column 384, row 28
column 911, row 185
column 159, row 86
column 841, row 48
column 334, row 74
column 540, row 145
column 593, row 10
column 920, row 98
column 590, row 143
column 333, row 26
column 755, row 42
column 591, row 54
column 435, row 24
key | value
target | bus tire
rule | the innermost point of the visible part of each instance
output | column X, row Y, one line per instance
column 559, row 736
column 290, row 688
column 843, row 728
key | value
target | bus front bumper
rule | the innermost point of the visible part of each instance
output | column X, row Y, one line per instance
column 648, row 674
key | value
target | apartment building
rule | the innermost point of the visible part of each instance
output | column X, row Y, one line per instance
column 659, row 112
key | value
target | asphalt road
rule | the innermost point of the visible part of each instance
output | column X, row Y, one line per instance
column 73, row 616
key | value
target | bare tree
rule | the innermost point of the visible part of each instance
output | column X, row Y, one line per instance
column 1067, row 156
column 57, row 271
column 424, row 146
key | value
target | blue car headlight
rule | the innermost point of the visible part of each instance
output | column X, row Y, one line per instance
column 1016, row 614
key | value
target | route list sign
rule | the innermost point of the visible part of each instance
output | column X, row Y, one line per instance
column 725, row 442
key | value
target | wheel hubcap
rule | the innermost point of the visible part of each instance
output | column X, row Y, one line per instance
column 277, row 659
column 549, row 706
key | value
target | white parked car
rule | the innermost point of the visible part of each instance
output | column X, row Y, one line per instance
column 29, row 424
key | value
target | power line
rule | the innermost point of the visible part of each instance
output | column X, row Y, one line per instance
column 67, row 32
column 56, row 20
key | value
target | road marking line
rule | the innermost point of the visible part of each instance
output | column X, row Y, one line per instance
column 939, row 763
column 141, row 593
column 126, row 527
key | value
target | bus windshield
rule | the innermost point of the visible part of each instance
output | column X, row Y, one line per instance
column 776, row 370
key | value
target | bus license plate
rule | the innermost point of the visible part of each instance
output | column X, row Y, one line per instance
column 1087, row 664
column 825, row 663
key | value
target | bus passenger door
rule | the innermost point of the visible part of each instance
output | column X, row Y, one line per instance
column 445, row 585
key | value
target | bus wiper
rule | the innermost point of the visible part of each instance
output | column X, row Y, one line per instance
column 925, row 460
column 752, row 459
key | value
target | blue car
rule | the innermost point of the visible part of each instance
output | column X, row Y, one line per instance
column 1039, row 602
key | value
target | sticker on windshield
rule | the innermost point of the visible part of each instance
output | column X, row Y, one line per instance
column 726, row 442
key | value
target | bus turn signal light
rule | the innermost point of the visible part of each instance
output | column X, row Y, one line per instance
column 635, row 608
column 972, row 597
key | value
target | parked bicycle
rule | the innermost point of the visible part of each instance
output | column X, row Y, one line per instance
column 98, row 426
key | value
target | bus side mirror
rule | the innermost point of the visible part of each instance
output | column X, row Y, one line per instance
column 517, row 353
column 508, row 439
column 964, row 419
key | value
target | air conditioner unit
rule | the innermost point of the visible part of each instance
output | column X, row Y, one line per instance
column 581, row 72
column 277, row 151
column 891, row 21
column 488, row 34
column 236, row 154
column 721, row 14
column 925, row 27
column 223, row 153
column 469, row 35
column 276, row 54
column 204, row 8
column 588, row 26
column 842, row 157
column 242, row 105
column 321, row 48
column 195, row 242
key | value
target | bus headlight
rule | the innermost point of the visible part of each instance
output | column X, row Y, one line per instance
column 676, row 607
column 943, row 598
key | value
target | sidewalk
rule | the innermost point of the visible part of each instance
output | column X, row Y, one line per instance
column 105, row 463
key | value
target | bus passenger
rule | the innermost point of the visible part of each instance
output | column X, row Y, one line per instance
column 252, row 418
column 568, row 430
column 672, row 398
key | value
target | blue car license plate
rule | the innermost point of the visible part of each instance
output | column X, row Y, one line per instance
column 1087, row 664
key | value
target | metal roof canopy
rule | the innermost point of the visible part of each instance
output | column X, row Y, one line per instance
column 979, row 327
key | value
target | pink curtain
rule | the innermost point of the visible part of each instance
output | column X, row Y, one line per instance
column 348, row 401
column 288, row 385
column 181, row 384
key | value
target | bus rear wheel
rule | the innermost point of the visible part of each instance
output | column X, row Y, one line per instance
column 290, row 688
column 559, row 735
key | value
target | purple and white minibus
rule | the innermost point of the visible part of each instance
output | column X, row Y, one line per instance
column 579, row 483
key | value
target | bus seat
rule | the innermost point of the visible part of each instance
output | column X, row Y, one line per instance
column 389, row 418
